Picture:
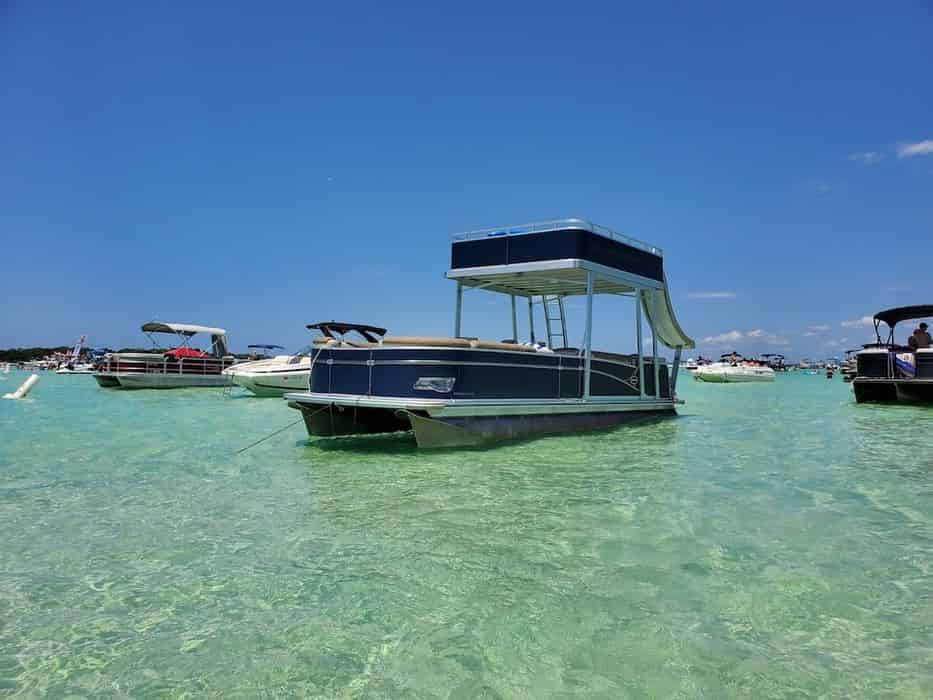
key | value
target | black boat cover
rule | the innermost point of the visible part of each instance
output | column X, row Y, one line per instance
column 903, row 313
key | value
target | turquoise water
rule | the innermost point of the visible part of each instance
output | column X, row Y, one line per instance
column 772, row 541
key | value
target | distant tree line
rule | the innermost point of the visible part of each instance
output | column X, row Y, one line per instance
column 27, row 354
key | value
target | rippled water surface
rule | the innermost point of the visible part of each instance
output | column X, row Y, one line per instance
column 772, row 541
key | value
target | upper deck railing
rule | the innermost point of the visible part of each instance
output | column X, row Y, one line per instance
column 556, row 225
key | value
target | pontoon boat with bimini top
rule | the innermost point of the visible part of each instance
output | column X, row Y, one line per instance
column 773, row 360
column 463, row 390
column 182, row 366
column 849, row 365
column 887, row 372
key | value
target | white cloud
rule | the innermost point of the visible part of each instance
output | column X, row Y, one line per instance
column 863, row 322
column 867, row 157
column 920, row 148
column 809, row 334
column 728, row 337
column 711, row 295
column 757, row 334
column 820, row 327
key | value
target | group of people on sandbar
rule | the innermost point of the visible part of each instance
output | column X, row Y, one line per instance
column 920, row 338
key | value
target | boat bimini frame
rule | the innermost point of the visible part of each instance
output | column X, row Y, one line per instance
column 185, row 331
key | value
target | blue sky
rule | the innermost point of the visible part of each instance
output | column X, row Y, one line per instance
column 260, row 167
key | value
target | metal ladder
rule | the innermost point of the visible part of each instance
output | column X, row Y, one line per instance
column 554, row 303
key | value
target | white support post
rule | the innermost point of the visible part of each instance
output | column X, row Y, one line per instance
column 589, row 334
column 459, row 310
column 654, row 345
column 531, row 320
column 639, row 340
column 514, row 320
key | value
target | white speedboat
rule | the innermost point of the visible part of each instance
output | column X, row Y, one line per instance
column 734, row 370
column 273, row 376
column 76, row 368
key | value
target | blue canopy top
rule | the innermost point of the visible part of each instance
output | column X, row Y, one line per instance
column 267, row 347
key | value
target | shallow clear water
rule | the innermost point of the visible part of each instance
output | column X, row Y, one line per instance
column 772, row 541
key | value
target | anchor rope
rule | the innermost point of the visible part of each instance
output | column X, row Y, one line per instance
column 281, row 430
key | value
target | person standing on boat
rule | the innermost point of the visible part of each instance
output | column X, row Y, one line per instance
column 921, row 338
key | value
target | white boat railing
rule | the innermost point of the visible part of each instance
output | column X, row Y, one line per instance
column 556, row 225
column 167, row 365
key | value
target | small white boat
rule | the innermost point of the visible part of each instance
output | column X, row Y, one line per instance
column 72, row 365
column 78, row 368
column 735, row 369
column 273, row 376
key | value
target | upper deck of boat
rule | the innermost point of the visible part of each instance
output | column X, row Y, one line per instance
column 554, row 257
column 567, row 257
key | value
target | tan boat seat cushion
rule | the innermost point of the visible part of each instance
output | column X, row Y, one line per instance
column 496, row 345
column 431, row 341
column 426, row 341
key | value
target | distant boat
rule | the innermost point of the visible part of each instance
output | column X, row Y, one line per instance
column 182, row 366
column 734, row 369
column 73, row 365
column 849, row 366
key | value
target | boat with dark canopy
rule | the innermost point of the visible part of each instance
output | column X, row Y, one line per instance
column 888, row 372
column 462, row 390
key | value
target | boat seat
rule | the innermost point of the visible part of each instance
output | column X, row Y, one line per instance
column 426, row 340
column 495, row 345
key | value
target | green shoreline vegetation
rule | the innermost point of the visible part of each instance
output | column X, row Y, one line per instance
column 37, row 353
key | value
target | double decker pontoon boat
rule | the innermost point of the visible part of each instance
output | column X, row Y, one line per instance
column 462, row 390
column 182, row 366
column 887, row 372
